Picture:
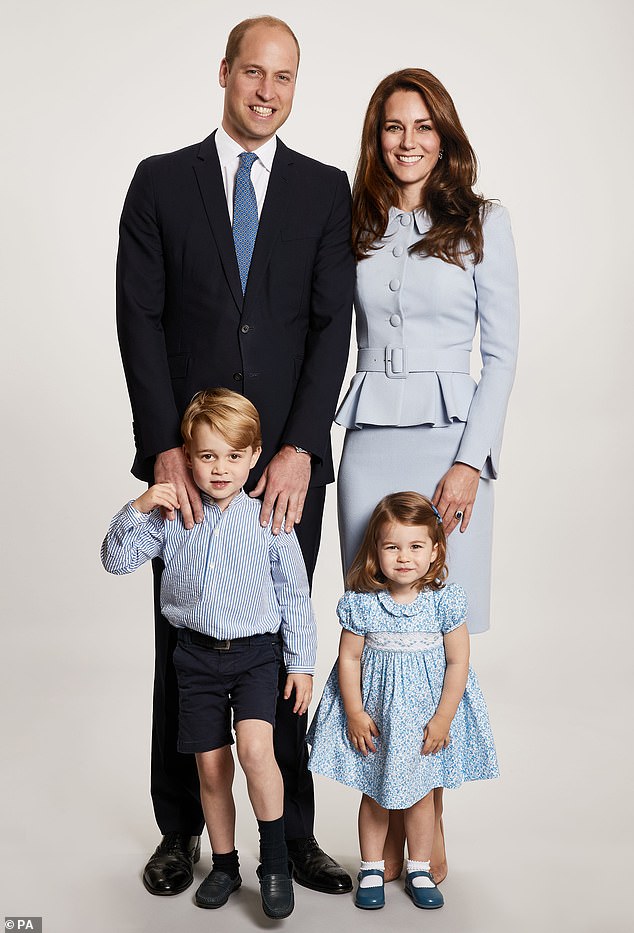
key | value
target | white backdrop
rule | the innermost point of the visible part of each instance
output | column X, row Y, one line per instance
column 544, row 92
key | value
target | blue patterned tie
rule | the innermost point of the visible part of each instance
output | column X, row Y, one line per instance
column 245, row 216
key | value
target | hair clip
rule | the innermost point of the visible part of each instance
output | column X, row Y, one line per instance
column 436, row 513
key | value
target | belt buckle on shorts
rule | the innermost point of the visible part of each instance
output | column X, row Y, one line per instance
column 223, row 644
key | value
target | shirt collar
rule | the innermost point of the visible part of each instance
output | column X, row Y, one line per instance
column 210, row 501
column 229, row 150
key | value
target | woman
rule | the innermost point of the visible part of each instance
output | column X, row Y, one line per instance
column 434, row 260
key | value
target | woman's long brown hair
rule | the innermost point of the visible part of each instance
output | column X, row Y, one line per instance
column 455, row 210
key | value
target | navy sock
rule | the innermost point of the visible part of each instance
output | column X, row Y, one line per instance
column 273, row 851
column 228, row 862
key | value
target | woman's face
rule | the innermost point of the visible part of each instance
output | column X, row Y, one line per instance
column 409, row 143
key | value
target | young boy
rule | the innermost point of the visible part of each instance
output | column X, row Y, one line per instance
column 229, row 586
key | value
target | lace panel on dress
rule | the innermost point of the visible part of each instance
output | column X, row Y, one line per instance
column 403, row 641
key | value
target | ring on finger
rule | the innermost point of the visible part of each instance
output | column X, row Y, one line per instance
column 458, row 514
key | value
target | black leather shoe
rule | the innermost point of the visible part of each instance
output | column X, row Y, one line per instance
column 314, row 869
column 277, row 894
column 171, row 869
column 216, row 888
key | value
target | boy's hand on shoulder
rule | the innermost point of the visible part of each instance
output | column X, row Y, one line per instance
column 161, row 495
column 303, row 686
column 362, row 729
column 436, row 735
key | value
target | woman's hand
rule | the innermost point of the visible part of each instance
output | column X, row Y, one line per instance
column 436, row 735
column 456, row 492
column 361, row 730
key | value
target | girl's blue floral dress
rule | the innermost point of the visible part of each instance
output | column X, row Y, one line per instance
column 402, row 672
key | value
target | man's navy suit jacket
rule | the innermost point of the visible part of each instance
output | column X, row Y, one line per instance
column 184, row 324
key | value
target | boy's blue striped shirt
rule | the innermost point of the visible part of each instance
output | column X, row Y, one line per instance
column 227, row 577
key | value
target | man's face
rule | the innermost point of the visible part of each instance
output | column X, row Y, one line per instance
column 259, row 87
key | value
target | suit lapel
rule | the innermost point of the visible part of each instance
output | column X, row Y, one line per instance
column 212, row 190
column 271, row 218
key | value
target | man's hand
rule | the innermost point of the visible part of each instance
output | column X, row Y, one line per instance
column 161, row 495
column 303, row 686
column 170, row 467
column 284, row 483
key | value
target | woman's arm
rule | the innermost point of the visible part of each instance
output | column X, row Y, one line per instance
column 361, row 727
column 457, row 655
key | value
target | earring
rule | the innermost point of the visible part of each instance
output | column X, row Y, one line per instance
column 441, row 154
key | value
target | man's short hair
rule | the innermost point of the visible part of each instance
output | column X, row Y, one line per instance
column 238, row 33
column 231, row 415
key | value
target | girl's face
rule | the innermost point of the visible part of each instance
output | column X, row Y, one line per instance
column 406, row 552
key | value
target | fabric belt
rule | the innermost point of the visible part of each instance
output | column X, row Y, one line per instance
column 225, row 644
column 398, row 362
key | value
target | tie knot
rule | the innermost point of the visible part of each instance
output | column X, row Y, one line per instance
column 247, row 159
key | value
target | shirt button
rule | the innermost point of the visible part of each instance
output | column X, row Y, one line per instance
column 395, row 284
column 237, row 377
column 397, row 251
column 406, row 219
column 245, row 328
column 211, row 566
column 395, row 320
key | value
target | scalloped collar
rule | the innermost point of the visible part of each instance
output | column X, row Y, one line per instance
column 402, row 609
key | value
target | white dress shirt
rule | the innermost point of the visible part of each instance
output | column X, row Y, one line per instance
column 228, row 153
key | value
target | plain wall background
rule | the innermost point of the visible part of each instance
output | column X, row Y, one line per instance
column 544, row 92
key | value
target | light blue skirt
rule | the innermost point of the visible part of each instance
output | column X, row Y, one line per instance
column 380, row 460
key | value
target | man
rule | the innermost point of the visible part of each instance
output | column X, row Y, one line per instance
column 235, row 270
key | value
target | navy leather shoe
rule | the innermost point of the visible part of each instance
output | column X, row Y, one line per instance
column 370, row 898
column 428, row 898
column 276, row 891
column 216, row 888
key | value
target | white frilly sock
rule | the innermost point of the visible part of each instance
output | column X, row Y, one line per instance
column 372, row 881
column 419, row 866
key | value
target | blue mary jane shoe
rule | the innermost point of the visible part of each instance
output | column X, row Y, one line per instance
column 428, row 898
column 370, row 898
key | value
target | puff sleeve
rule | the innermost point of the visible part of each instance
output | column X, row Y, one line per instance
column 350, row 615
column 451, row 607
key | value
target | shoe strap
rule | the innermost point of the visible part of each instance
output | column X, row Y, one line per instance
column 373, row 871
column 419, row 874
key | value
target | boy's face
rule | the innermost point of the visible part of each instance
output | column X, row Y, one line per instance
column 219, row 469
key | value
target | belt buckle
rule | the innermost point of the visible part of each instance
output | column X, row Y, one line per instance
column 398, row 371
column 223, row 645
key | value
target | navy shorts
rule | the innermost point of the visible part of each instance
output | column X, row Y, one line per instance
column 213, row 682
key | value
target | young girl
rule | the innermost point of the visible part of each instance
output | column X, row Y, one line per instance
column 402, row 712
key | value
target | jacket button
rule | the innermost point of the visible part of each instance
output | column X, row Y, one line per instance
column 245, row 328
column 397, row 251
column 395, row 284
column 406, row 219
column 395, row 320
column 237, row 377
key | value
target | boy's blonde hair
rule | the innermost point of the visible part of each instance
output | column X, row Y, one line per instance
column 232, row 415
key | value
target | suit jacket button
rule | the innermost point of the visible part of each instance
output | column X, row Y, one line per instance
column 245, row 328
column 237, row 377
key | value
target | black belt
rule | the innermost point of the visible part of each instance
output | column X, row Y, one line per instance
column 225, row 644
